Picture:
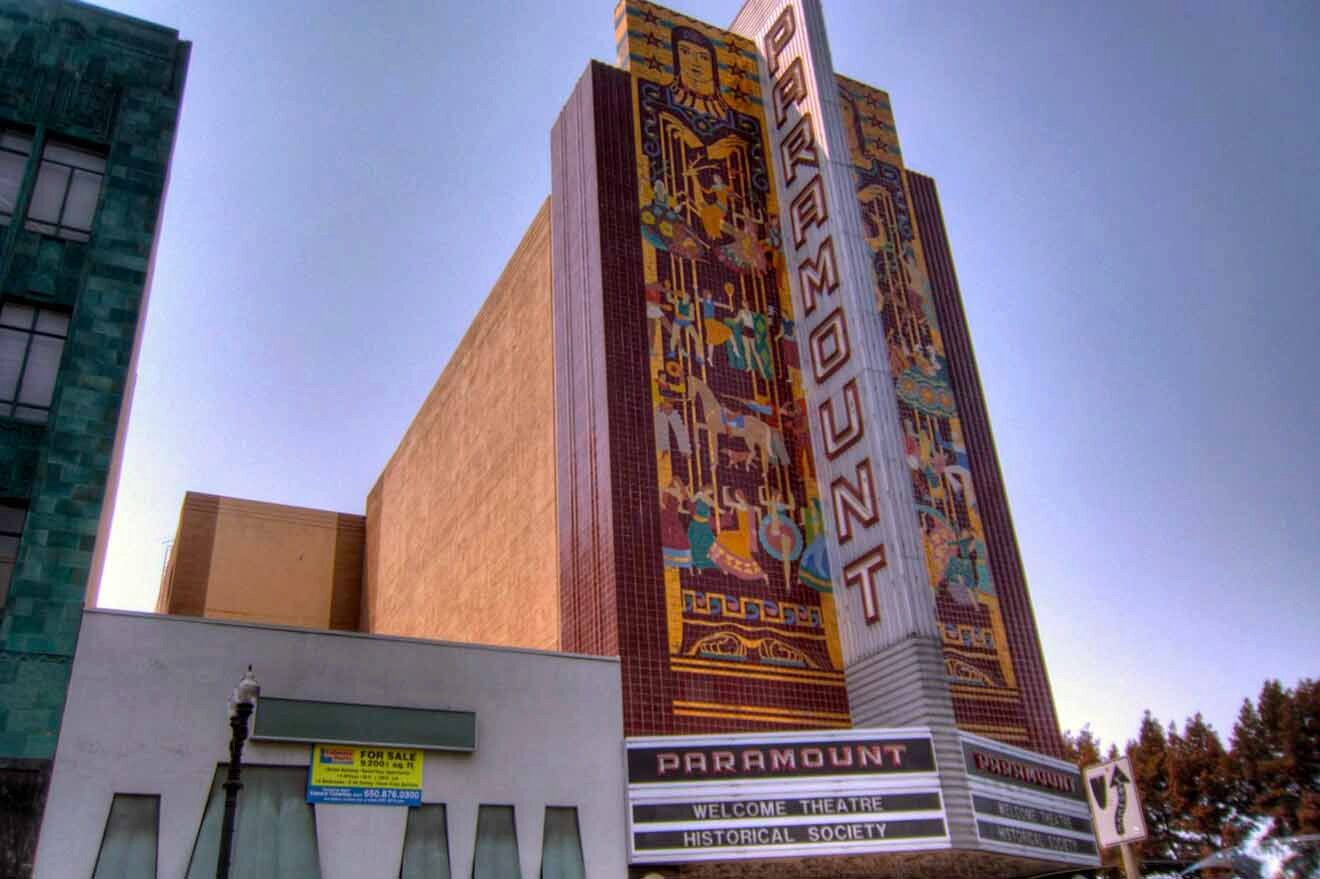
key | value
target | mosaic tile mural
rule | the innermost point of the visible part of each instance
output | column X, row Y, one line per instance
column 982, row 676
column 746, row 576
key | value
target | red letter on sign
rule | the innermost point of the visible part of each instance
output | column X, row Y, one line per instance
column 830, row 346
column 861, row 574
column 809, row 208
column 776, row 39
column 798, row 148
column 837, row 439
column 820, row 274
column 790, row 89
column 854, row 502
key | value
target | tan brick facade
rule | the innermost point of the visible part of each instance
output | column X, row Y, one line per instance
column 461, row 523
column 268, row 563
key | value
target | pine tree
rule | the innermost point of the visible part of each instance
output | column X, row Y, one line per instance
column 1276, row 753
column 1149, row 756
column 1306, row 713
column 1200, row 778
column 1082, row 748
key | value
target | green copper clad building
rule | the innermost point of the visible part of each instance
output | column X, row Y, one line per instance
column 89, row 104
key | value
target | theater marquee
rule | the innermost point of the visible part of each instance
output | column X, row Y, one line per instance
column 1027, row 804
column 695, row 798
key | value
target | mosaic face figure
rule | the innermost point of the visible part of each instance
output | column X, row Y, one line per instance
column 694, row 62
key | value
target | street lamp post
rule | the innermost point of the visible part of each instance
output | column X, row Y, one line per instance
column 241, row 704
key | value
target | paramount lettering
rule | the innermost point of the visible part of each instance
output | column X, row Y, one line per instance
column 808, row 758
column 1040, row 776
column 798, row 154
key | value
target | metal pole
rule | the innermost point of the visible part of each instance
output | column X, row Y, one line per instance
column 239, row 726
column 1130, row 867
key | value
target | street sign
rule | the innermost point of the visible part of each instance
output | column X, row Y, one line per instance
column 1115, row 806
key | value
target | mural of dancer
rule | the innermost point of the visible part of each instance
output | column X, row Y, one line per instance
column 747, row 582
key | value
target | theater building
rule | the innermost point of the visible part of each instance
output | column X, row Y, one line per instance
column 719, row 418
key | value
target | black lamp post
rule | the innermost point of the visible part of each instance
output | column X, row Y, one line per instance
column 241, row 704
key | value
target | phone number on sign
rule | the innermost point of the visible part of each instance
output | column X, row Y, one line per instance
column 373, row 793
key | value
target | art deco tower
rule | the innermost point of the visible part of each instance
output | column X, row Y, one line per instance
column 778, row 497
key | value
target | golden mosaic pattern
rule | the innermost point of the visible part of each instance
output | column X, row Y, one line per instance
column 747, row 582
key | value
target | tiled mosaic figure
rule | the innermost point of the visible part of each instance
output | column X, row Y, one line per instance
column 747, row 581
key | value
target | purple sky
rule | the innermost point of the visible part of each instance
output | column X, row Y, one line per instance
column 1131, row 193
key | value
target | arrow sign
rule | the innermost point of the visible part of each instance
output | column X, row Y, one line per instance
column 1119, row 782
column 1115, row 804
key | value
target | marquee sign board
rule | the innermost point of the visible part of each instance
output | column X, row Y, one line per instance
column 1111, row 791
column 732, row 797
column 1027, row 804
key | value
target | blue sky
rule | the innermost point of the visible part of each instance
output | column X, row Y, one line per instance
column 1131, row 194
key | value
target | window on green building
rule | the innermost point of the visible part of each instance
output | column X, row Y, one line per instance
column 31, row 343
column 14, row 151
column 67, row 188
column 12, row 517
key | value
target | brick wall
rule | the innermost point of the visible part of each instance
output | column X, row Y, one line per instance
column 264, row 562
column 461, row 523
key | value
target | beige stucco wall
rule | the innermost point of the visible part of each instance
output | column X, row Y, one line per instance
column 461, row 523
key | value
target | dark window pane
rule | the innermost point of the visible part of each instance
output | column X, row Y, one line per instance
column 29, row 361
column 11, row 178
column 128, row 848
column 54, row 322
column 496, row 856
column 6, row 575
column 70, row 155
column 13, row 345
column 15, row 315
column 426, row 844
column 43, row 364
column 81, row 203
column 48, row 194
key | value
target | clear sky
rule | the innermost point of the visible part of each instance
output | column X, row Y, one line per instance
column 1131, row 190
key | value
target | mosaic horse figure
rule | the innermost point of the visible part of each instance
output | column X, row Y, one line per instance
column 762, row 440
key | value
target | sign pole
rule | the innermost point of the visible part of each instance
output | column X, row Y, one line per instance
column 1130, row 867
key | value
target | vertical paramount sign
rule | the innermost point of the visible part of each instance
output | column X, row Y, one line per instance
column 856, row 438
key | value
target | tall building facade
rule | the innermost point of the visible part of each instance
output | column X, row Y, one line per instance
column 89, row 102
column 778, row 496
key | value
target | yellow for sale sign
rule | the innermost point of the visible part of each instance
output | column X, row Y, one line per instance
column 381, row 776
